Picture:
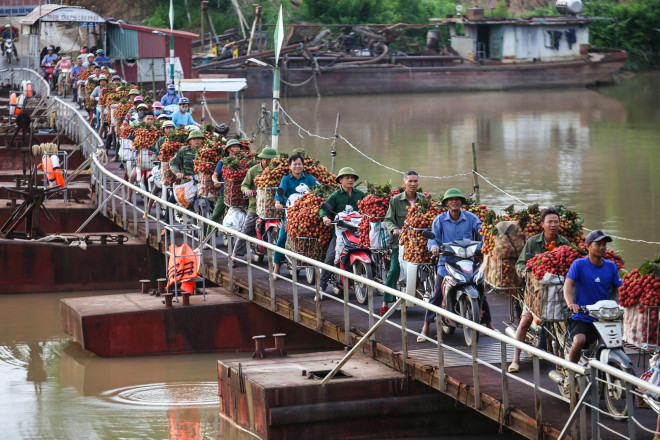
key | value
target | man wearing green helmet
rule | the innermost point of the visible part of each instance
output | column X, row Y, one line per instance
column 346, row 195
column 455, row 224
column 233, row 147
column 249, row 189
column 182, row 164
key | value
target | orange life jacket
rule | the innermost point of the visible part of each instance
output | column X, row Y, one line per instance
column 187, row 264
column 51, row 166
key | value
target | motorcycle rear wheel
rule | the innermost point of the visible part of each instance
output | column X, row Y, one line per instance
column 362, row 269
column 309, row 275
column 470, row 310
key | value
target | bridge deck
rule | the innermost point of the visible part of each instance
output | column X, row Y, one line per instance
column 423, row 358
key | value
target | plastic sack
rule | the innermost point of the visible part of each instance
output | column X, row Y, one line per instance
column 379, row 238
column 234, row 218
column 349, row 216
column 155, row 176
column 185, row 193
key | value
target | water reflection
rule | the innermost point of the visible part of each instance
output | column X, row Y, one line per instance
column 36, row 373
column 594, row 151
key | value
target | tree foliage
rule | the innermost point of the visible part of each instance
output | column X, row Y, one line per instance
column 633, row 25
column 633, row 28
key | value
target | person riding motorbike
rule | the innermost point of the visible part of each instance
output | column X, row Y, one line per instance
column 157, row 108
column 288, row 186
column 589, row 280
column 101, row 59
column 338, row 200
column 171, row 97
column 250, row 190
column 182, row 116
column 9, row 34
column 63, row 63
column 182, row 164
column 90, row 60
column 394, row 219
column 48, row 60
column 537, row 244
column 454, row 224
column 168, row 129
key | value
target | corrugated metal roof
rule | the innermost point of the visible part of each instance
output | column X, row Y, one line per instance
column 123, row 43
column 74, row 13
column 150, row 29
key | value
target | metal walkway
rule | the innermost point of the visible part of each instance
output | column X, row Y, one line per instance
column 527, row 403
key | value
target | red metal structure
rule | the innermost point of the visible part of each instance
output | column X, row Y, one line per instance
column 138, row 49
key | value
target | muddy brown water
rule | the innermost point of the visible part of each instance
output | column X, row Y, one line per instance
column 596, row 151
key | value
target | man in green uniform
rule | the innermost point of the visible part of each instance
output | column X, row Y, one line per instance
column 394, row 219
column 182, row 162
column 539, row 243
column 344, row 196
column 250, row 190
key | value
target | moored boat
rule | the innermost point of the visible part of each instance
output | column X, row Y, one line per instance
column 483, row 54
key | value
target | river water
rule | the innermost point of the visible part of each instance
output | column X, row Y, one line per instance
column 595, row 151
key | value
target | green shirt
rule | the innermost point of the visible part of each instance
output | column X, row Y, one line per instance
column 182, row 162
column 159, row 143
column 340, row 199
column 534, row 246
column 248, row 183
column 396, row 214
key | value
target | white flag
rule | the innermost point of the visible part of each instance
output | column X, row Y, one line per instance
column 279, row 36
column 171, row 16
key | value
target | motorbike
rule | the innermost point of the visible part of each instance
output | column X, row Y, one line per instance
column 80, row 94
column 301, row 190
column 608, row 349
column 50, row 71
column 652, row 376
column 462, row 287
column 351, row 256
column 267, row 229
column 64, row 82
column 8, row 48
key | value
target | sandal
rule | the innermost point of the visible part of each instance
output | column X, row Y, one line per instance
column 421, row 339
column 383, row 310
column 513, row 367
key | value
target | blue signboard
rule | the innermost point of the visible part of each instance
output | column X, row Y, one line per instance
column 6, row 11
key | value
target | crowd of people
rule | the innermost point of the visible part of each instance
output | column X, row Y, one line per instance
column 590, row 279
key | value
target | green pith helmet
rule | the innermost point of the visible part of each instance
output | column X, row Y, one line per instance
column 267, row 153
column 299, row 150
column 133, row 92
column 233, row 142
column 195, row 134
column 346, row 171
column 452, row 193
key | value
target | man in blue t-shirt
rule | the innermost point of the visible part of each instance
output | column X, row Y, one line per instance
column 589, row 280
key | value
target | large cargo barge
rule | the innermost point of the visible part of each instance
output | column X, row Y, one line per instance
column 484, row 54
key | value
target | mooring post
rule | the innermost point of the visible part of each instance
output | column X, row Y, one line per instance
column 334, row 145
column 475, row 179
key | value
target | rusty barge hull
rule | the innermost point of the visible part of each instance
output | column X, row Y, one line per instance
column 426, row 76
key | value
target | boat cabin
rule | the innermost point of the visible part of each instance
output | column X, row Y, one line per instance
column 518, row 40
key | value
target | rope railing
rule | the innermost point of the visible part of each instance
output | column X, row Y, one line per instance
column 289, row 120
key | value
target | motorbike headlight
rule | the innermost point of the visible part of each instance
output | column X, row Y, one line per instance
column 471, row 250
column 610, row 314
column 459, row 251
column 454, row 273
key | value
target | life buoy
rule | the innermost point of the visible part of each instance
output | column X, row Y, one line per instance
column 12, row 103
column 20, row 102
